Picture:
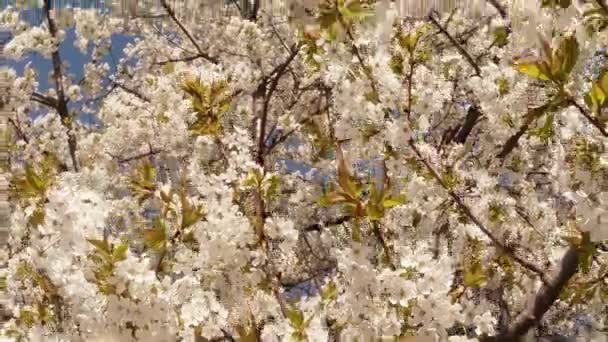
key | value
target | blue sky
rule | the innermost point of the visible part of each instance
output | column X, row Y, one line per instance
column 76, row 61
column 69, row 54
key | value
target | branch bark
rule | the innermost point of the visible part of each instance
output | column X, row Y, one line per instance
column 542, row 301
column 61, row 106
column 470, row 121
column 509, row 250
column 201, row 53
column 467, row 56
column 594, row 121
column 501, row 10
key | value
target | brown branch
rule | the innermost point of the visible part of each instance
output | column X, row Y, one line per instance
column 410, row 81
column 203, row 54
column 266, row 91
column 280, row 71
column 289, row 133
column 18, row 130
column 531, row 116
column 602, row 5
column 135, row 157
column 542, row 300
column 459, row 47
column 501, row 10
column 467, row 211
column 513, row 141
column 316, row 227
column 470, row 121
column 366, row 70
column 48, row 101
column 131, row 91
column 594, row 121
column 62, row 103
column 183, row 59
column 388, row 250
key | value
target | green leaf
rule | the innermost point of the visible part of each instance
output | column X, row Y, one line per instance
column 27, row 317
column 34, row 180
column 37, row 217
column 503, row 86
column 565, row 57
column 587, row 249
column 330, row 292
column 247, row 334
column 155, row 238
column 393, row 201
column 369, row 130
column 355, row 11
column 474, row 276
column 143, row 181
column 274, row 183
column 296, row 318
column 396, row 64
column 347, row 182
column 169, row 68
column 120, row 252
column 210, row 102
column 497, row 212
column 545, row 133
column 409, row 42
column 190, row 213
column 331, row 198
column 102, row 247
column 603, row 81
column 501, row 36
column 373, row 212
column 597, row 94
column 533, row 70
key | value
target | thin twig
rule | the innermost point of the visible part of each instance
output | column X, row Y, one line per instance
column 467, row 211
column 183, row 59
column 280, row 71
column 501, row 10
column 459, row 47
column 316, row 227
column 138, row 156
column 203, row 54
column 18, row 130
column 594, row 121
column 131, row 91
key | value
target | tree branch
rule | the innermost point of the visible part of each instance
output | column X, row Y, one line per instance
column 18, row 130
column 467, row 211
column 459, row 47
column 184, row 59
column 470, row 121
column 138, row 156
column 594, row 121
column 201, row 53
column 542, row 301
column 316, row 227
column 602, row 5
column 131, row 91
column 530, row 117
column 62, row 103
column 280, row 71
column 501, row 10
